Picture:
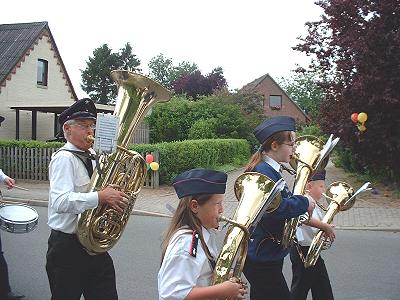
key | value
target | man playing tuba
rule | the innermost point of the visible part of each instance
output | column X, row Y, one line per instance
column 70, row 269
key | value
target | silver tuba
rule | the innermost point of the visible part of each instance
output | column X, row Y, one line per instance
column 100, row 228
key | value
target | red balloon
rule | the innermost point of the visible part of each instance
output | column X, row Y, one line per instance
column 149, row 158
column 354, row 117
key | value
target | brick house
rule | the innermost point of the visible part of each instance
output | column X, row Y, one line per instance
column 276, row 101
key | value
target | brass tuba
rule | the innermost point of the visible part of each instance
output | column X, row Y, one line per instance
column 341, row 197
column 257, row 194
column 100, row 228
column 306, row 160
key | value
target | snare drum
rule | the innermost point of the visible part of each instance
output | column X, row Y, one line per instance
column 18, row 218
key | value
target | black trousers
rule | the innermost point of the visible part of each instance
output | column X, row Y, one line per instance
column 266, row 280
column 72, row 271
column 4, row 281
column 315, row 278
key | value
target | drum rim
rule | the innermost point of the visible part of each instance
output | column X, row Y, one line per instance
column 4, row 219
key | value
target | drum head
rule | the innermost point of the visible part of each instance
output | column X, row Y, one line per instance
column 18, row 213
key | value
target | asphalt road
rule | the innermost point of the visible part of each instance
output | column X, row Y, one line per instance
column 362, row 264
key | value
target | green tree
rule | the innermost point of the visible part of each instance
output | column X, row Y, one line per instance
column 160, row 69
column 250, row 105
column 249, row 102
column 203, row 129
column 356, row 46
column 181, row 119
column 127, row 60
column 163, row 70
column 96, row 78
column 304, row 89
column 182, row 69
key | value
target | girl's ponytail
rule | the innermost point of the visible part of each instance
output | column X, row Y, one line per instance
column 279, row 138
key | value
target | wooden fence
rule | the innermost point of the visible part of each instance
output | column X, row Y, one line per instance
column 142, row 134
column 32, row 164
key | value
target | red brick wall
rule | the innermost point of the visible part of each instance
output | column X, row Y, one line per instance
column 268, row 87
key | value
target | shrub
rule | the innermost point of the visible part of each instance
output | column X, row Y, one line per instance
column 30, row 144
column 203, row 129
column 310, row 129
column 176, row 157
column 173, row 121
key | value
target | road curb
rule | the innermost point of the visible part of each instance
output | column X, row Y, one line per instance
column 368, row 228
column 43, row 203
column 149, row 213
column 9, row 200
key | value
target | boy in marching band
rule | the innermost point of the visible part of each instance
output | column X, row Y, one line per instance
column 315, row 277
column 189, row 247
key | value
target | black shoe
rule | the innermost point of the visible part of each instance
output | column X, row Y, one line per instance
column 12, row 296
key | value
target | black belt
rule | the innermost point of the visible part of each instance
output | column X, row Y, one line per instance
column 61, row 234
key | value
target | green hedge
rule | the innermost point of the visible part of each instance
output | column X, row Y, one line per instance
column 30, row 144
column 176, row 157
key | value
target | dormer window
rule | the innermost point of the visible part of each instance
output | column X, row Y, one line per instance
column 42, row 72
column 275, row 102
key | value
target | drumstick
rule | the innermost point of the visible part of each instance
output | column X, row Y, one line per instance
column 20, row 187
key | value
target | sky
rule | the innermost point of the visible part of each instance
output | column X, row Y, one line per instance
column 247, row 38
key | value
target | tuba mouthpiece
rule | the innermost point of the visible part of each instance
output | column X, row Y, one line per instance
column 90, row 138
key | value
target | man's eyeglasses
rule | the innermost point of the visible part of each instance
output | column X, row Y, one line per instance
column 86, row 127
column 292, row 144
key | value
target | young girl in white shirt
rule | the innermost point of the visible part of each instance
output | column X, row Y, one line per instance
column 189, row 247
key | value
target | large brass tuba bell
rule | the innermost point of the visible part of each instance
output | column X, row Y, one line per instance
column 341, row 197
column 99, row 229
column 257, row 194
column 310, row 156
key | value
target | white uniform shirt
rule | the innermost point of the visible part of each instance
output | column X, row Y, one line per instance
column 180, row 272
column 2, row 176
column 273, row 163
column 304, row 233
column 68, row 195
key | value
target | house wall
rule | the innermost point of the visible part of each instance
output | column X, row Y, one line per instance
column 21, row 89
column 268, row 87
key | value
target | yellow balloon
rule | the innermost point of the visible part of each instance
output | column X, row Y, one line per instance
column 362, row 117
column 154, row 166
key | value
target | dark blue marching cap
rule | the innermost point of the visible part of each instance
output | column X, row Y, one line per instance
column 318, row 176
column 200, row 181
column 81, row 109
column 273, row 125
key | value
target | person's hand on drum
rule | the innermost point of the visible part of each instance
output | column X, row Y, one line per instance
column 9, row 182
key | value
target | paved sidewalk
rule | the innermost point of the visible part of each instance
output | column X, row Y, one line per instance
column 363, row 216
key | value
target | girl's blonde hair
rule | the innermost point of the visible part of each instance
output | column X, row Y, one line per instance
column 279, row 138
column 185, row 217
